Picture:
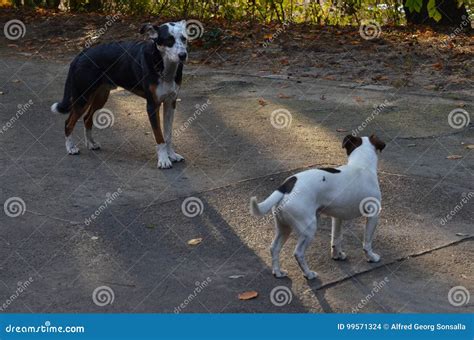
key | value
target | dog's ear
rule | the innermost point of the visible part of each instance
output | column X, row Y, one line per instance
column 149, row 30
column 350, row 143
column 379, row 145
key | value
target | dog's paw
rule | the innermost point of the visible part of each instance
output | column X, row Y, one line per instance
column 92, row 145
column 372, row 257
column 164, row 161
column 175, row 157
column 338, row 255
column 279, row 274
column 311, row 275
column 71, row 148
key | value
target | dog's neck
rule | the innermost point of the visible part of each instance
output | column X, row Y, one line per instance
column 364, row 157
column 169, row 70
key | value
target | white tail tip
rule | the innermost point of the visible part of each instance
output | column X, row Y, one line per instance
column 54, row 108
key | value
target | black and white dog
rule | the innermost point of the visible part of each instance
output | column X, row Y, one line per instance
column 151, row 69
column 344, row 193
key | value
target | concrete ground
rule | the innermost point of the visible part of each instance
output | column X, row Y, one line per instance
column 137, row 246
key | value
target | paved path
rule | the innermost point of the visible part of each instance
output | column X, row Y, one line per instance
column 137, row 246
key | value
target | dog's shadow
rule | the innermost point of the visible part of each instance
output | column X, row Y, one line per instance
column 317, row 287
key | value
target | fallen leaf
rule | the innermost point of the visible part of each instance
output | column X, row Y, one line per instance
column 470, row 146
column 248, row 295
column 94, row 238
column 284, row 61
column 150, row 226
column 410, row 145
column 454, row 157
column 461, row 234
column 359, row 99
column 329, row 77
column 262, row 101
column 438, row 66
column 235, row 276
column 283, row 96
column 380, row 77
column 15, row 81
column 195, row 241
column 341, row 130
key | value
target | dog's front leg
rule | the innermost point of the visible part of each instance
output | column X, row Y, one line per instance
column 168, row 110
column 153, row 109
column 336, row 240
column 368, row 237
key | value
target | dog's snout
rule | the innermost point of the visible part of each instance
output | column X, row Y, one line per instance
column 182, row 56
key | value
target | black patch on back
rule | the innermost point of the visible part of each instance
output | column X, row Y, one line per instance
column 331, row 170
column 287, row 185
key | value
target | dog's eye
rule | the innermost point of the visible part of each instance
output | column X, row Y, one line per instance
column 183, row 39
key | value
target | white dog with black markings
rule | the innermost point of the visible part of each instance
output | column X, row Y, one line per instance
column 344, row 193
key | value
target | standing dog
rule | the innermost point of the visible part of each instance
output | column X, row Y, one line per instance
column 151, row 69
column 344, row 193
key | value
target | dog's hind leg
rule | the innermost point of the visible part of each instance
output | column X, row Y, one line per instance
column 282, row 232
column 76, row 112
column 307, row 231
column 368, row 238
column 336, row 240
column 99, row 99
column 168, row 111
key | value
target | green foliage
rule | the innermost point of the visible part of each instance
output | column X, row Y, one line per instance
column 327, row 12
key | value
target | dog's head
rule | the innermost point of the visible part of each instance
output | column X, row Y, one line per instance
column 170, row 39
column 350, row 143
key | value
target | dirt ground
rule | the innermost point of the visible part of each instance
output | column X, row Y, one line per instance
column 329, row 80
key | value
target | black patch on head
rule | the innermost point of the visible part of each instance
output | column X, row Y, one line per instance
column 164, row 37
column 172, row 23
column 287, row 185
column 331, row 170
column 350, row 143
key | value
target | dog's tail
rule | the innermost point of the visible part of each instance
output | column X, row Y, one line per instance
column 65, row 105
column 260, row 209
